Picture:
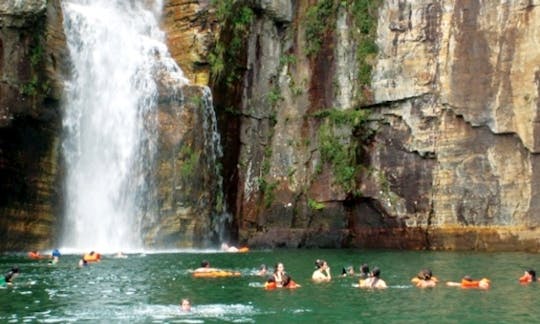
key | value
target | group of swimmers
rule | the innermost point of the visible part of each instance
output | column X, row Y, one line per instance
column 371, row 279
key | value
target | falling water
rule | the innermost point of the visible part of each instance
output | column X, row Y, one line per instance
column 116, row 50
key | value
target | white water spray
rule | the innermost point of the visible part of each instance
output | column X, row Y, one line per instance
column 117, row 50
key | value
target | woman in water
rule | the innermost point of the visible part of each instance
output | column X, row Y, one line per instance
column 322, row 274
column 279, row 274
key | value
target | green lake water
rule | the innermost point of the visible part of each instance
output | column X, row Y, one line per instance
column 147, row 288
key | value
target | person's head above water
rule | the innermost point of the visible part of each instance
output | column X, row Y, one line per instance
column 364, row 268
column 205, row 264
column 376, row 272
column 279, row 267
column 425, row 274
column 185, row 305
column 11, row 273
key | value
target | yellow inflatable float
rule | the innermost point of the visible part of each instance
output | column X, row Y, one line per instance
column 216, row 274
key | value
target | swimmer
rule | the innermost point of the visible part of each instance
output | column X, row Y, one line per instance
column 225, row 247
column 425, row 279
column 347, row 271
column 279, row 274
column 322, row 274
column 55, row 256
column 82, row 263
column 364, row 271
column 270, row 283
column 263, row 269
column 468, row 282
column 7, row 279
column 528, row 276
column 185, row 305
column 374, row 281
column 205, row 267
column 289, row 283
column 92, row 257
column 120, row 255
column 34, row 254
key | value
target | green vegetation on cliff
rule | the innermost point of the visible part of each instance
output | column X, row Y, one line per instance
column 236, row 17
column 35, row 85
column 365, row 13
column 319, row 20
column 337, row 146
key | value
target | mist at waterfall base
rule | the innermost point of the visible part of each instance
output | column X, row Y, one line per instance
column 116, row 49
column 147, row 288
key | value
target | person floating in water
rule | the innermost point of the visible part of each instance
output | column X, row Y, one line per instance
column 120, row 255
column 373, row 281
column 225, row 247
column 7, row 279
column 289, row 283
column 263, row 270
column 92, row 257
column 425, row 279
column 82, row 263
column 55, row 256
column 347, row 271
column 35, row 255
column 185, row 305
column 205, row 267
column 528, row 277
column 205, row 271
column 468, row 282
column 322, row 273
column 270, row 283
column 364, row 271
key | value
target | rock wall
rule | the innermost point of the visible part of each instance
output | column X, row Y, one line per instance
column 30, row 189
column 449, row 158
column 446, row 157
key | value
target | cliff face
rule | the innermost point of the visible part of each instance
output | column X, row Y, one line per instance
column 447, row 158
column 428, row 142
column 29, row 126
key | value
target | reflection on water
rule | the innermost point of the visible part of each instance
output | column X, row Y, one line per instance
column 148, row 288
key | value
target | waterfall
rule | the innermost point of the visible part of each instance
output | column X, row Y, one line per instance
column 117, row 51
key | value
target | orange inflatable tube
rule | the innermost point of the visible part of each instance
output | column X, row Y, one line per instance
column 216, row 274
column 470, row 283
column 270, row 285
column 95, row 257
column 525, row 279
column 243, row 249
column 34, row 255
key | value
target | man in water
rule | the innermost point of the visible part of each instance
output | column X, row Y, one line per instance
column 205, row 267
